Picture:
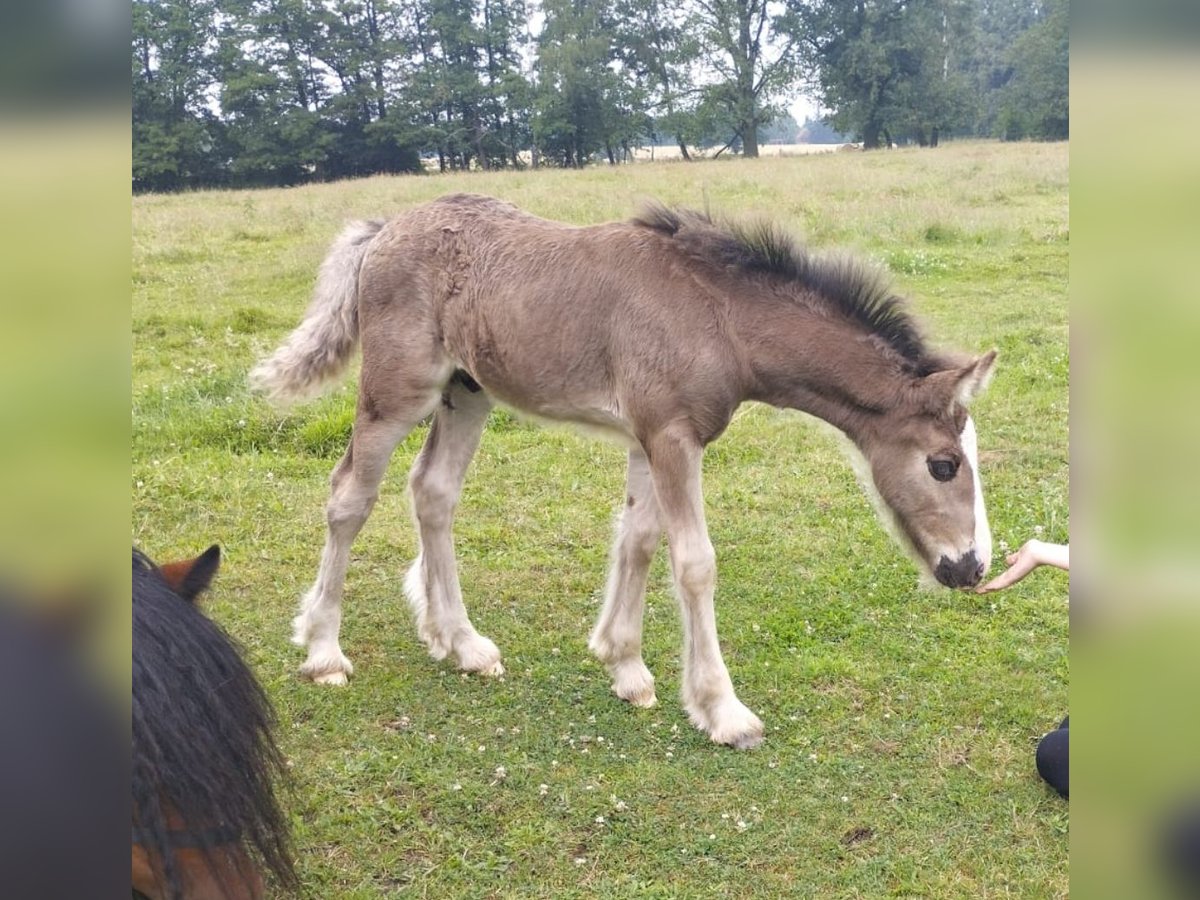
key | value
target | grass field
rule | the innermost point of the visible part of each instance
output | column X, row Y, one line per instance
column 900, row 725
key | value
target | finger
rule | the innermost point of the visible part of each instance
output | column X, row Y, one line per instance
column 1008, row 577
column 996, row 584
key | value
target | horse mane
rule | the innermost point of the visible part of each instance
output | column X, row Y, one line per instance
column 856, row 289
column 202, row 734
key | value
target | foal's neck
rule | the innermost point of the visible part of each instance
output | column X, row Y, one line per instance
column 817, row 363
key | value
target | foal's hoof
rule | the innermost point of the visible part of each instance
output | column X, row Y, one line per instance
column 645, row 700
column 731, row 724
column 338, row 678
column 633, row 683
column 327, row 670
column 479, row 655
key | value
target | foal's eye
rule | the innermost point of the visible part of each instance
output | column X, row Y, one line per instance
column 943, row 469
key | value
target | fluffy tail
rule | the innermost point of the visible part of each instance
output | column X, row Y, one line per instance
column 317, row 352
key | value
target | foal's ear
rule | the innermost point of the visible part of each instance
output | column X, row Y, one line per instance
column 961, row 384
column 190, row 578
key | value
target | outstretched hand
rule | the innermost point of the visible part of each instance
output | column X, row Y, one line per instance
column 1031, row 555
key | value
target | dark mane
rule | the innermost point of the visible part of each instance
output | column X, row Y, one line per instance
column 202, row 733
column 858, row 290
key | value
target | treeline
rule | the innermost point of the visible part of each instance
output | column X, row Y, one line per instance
column 276, row 92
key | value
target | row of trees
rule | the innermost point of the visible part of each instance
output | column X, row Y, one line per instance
column 258, row 92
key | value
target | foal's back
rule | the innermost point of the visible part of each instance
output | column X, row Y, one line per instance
column 605, row 325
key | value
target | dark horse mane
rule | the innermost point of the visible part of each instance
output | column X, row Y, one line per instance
column 202, row 734
column 859, row 291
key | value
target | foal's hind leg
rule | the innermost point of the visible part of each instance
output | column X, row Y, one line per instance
column 355, row 487
column 617, row 637
column 432, row 582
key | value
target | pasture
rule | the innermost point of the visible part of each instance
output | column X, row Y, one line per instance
column 900, row 724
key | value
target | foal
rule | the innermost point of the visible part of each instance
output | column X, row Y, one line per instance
column 653, row 331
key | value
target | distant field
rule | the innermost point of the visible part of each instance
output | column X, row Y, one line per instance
column 647, row 154
column 900, row 725
column 665, row 154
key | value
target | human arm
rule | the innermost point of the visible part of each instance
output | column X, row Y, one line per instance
column 1031, row 555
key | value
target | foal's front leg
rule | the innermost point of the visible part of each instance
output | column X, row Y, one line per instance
column 617, row 637
column 708, row 693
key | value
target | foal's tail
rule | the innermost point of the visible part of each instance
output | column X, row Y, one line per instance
column 317, row 352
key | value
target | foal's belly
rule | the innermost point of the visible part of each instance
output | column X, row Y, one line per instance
column 592, row 412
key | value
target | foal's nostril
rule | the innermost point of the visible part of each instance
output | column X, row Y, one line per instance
column 965, row 572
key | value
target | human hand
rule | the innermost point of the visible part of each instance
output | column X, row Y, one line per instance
column 1031, row 555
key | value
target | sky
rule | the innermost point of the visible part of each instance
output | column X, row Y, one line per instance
column 803, row 108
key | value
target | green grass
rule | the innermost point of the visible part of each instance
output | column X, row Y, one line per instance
column 900, row 725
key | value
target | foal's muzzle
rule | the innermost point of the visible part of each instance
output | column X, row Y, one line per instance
column 965, row 572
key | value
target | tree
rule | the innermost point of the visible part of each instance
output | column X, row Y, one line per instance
column 657, row 51
column 1036, row 99
column 359, row 41
column 999, row 24
column 507, row 94
column 176, row 132
column 887, row 67
column 938, row 96
column 582, row 104
column 783, row 129
column 816, row 131
column 748, row 48
column 271, row 92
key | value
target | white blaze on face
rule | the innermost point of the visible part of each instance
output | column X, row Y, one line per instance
column 983, row 534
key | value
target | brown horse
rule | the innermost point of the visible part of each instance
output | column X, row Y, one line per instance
column 205, row 820
column 652, row 331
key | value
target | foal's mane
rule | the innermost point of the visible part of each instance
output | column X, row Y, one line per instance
column 850, row 286
column 202, row 733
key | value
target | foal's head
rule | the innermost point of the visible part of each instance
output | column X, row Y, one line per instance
column 924, row 464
